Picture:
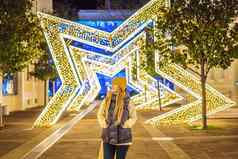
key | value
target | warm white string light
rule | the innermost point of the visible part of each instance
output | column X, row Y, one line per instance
column 77, row 69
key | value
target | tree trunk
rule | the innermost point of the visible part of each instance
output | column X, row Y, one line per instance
column 1, row 102
column 46, row 97
column 1, row 78
column 204, row 102
column 53, row 82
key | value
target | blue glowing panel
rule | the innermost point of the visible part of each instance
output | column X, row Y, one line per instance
column 51, row 88
column 90, row 48
column 54, row 86
column 58, row 84
column 169, row 84
column 166, row 82
column 107, row 25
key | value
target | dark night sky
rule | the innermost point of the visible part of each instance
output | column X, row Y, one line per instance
column 80, row 4
column 92, row 4
column 86, row 4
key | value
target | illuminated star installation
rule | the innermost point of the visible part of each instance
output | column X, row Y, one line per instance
column 80, row 85
column 77, row 68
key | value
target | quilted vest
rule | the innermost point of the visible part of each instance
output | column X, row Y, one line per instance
column 116, row 134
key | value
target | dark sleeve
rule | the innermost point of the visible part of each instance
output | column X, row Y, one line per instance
column 127, row 99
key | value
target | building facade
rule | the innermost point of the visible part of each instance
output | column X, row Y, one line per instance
column 43, row 6
column 22, row 91
column 226, row 81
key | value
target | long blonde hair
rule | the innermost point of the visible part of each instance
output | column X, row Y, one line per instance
column 119, row 106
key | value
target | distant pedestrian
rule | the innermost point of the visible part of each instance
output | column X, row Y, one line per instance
column 116, row 117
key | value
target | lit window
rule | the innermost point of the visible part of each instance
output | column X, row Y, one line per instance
column 9, row 85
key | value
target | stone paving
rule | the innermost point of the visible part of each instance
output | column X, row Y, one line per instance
column 18, row 137
column 83, row 141
column 167, row 142
column 18, row 130
column 220, row 142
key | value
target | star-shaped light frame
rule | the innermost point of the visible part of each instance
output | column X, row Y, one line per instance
column 77, row 68
column 79, row 83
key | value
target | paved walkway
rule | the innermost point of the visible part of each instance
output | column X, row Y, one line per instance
column 83, row 140
column 18, row 130
column 219, row 142
column 173, row 142
column 18, row 137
